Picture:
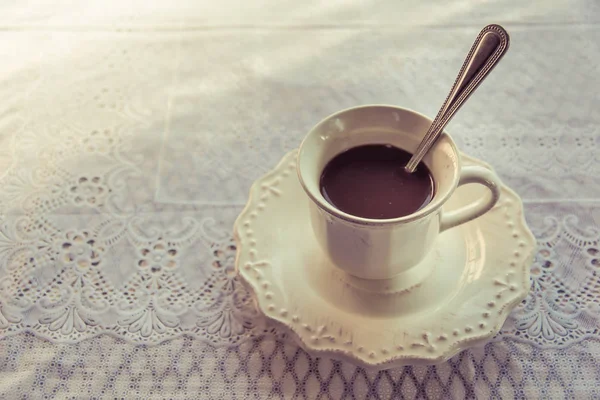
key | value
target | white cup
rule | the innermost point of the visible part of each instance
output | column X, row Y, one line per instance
column 382, row 248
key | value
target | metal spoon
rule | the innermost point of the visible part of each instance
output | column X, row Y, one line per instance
column 489, row 47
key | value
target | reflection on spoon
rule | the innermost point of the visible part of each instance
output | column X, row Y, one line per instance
column 489, row 47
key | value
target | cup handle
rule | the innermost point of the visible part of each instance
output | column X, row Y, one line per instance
column 473, row 174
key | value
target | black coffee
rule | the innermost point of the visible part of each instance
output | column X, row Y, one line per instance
column 370, row 182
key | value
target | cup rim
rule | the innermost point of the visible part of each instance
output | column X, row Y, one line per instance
column 322, row 203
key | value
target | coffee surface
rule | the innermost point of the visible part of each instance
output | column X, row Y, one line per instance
column 370, row 182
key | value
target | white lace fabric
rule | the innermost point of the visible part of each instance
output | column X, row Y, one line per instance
column 130, row 135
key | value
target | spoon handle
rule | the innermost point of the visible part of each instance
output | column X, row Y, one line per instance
column 489, row 47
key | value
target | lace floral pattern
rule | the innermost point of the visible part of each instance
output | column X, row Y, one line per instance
column 562, row 305
column 60, row 281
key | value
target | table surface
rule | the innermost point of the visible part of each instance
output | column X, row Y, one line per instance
column 131, row 131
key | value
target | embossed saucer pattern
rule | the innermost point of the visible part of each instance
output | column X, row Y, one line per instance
column 458, row 297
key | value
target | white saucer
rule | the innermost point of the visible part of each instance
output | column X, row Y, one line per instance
column 459, row 297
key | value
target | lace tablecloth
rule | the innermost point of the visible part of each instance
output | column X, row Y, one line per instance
column 131, row 132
